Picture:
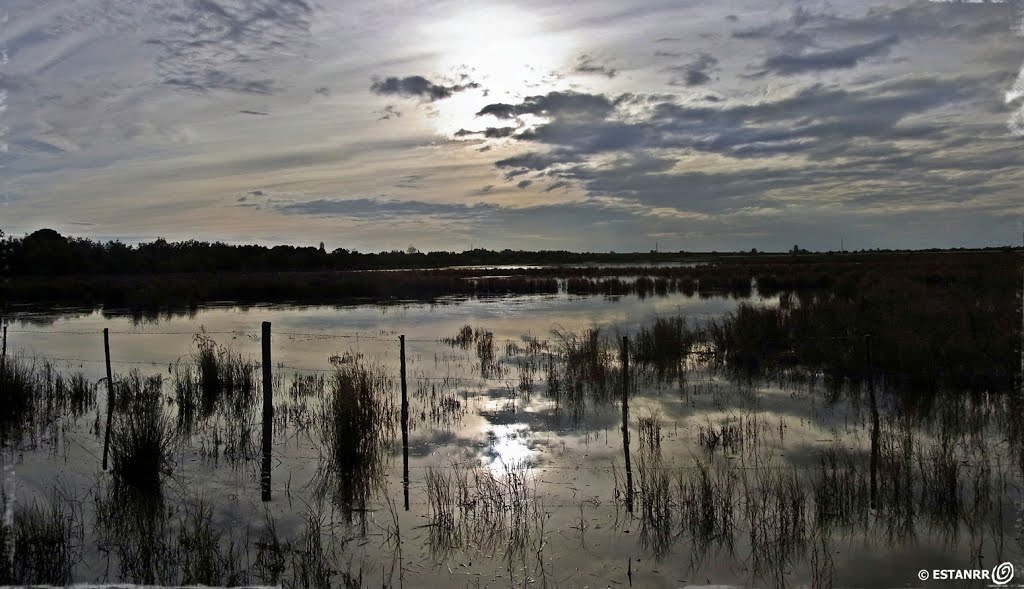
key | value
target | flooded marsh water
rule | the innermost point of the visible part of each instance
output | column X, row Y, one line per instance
column 519, row 471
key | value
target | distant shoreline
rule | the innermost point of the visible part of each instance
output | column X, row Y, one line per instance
column 733, row 275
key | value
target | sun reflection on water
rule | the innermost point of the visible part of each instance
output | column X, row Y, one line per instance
column 508, row 446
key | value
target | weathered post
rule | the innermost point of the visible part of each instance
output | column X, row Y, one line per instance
column 625, row 422
column 3, row 353
column 268, row 413
column 874, row 422
column 405, row 425
column 110, row 395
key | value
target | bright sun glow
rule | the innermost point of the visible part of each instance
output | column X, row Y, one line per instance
column 508, row 51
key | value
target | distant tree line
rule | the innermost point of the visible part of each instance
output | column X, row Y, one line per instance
column 48, row 253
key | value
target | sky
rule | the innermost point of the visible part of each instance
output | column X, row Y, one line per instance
column 586, row 126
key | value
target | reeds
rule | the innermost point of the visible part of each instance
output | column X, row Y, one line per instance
column 920, row 338
column 663, row 346
column 203, row 558
column 224, row 376
column 496, row 512
column 35, row 398
column 355, row 423
column 150, row 545
column 46, row 544
column 142, row 438
column 482, row 341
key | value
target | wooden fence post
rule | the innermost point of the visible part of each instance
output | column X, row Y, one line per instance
column 268, row 413
column 625, row 422
column 110, row 395
column 405, row 425
column 874, row 421
column 3, row 354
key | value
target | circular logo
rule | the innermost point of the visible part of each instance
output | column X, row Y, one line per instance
column 1002, row 573
column 922, row 574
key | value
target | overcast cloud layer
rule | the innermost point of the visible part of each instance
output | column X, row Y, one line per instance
column 536, row 125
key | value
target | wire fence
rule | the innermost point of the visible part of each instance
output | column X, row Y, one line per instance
column 354, row 336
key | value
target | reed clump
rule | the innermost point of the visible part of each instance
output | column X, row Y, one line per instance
column 142, row 438
column 663, row 346
column 482, row 340
column 356, row 421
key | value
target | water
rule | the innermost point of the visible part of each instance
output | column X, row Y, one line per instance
column 714, row 460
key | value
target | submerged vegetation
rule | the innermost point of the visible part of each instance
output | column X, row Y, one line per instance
column 153, row 542
column 356, row 423
column 142, row 441
column 43, row 544
column 36, row 399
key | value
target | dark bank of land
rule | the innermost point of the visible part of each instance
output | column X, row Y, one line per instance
column 46, row 268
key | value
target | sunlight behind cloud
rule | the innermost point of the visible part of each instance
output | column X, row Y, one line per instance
column 508, row 51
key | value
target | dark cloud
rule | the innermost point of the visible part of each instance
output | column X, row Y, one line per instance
column 853, row 139
column 695, row 73
column 587, row 65
column 380, row 208
column 198, row 80
column 573, row 105
column 524, row 183
column 33, row 146
column 253, row 112
column 523, row 164
column 322, row 90
column 388, row 112
column 417, row 87
column 489, row 132
column 811, row 119
column 411, row 181
column 841, row 58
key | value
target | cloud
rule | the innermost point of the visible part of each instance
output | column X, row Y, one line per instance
column 380, row 208
column 417, row 87
column 554, row 104
column 489, row 132
column 221, row 45
column 587, row 65
column 841, row 58
column 253, row 112
column 695, row 73
column 852, row 139
column 388, row 112
column 411, row 181
column 908, row 125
